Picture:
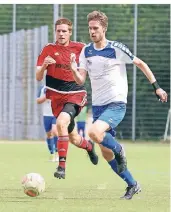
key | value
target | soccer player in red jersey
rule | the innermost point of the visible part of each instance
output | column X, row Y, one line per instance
column 67, row 97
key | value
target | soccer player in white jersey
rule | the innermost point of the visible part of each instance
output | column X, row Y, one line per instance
column 105, row 62
column 49, row 121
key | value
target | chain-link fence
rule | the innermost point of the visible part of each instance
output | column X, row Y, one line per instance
column 19, row 114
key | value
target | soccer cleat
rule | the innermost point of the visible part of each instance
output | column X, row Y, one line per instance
column 121, row 161
column 92, row 155
column 60, row 173
column 131, row 190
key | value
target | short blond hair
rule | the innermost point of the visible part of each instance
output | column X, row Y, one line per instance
column 64, row 21
column 98, row 16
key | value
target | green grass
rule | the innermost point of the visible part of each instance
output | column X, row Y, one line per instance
column 87, row 188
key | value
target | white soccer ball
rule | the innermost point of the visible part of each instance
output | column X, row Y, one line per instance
column 33, row 184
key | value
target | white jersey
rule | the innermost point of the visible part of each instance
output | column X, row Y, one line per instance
column 46, row 106
column 107, row 71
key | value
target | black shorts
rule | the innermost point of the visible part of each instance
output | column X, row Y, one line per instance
column 73, row 110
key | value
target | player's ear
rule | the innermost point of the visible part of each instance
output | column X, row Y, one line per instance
column 104, row 29
column 70, row 32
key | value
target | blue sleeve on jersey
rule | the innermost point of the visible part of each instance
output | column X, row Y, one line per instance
column 123, row 48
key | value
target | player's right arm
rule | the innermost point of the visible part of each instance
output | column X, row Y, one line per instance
column 42, row 63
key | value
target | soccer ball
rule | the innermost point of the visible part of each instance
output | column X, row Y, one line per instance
column 33, row 184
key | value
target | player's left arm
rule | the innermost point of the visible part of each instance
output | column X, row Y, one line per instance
column 161, row 94
column 124, row 54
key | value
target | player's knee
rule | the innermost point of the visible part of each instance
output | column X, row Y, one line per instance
column 95, row 135
column 62, row 125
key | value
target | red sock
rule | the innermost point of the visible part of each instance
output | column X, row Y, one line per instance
column 63, row 142
column 84, row 144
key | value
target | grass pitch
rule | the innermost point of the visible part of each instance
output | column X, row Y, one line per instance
column 87, row 188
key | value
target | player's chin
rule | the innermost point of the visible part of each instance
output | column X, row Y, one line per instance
column 62, row 42
column 95, row 40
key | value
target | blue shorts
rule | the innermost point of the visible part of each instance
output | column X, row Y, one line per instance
column 81, row 125
column 48, row 121
column 112, row 113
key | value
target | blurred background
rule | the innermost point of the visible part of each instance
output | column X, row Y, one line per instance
column 25, row 29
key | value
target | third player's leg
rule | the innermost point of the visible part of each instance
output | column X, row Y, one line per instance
column 49, row 135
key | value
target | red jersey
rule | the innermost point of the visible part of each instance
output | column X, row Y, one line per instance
column 59, row 76
column 60, row 84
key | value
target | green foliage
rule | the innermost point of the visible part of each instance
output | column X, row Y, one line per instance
column 5, row 18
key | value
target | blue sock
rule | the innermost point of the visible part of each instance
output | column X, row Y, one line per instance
column 50, row 142
column 125, row 175
column 111, row 143
column 55, row 139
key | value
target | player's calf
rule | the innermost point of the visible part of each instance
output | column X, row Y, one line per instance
column 90, row 148
column 82, row 143
column 121, row 160
column 62, row 151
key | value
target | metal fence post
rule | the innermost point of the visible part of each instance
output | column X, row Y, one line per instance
column 55, row 17
column 75, row 22
column 134, row 76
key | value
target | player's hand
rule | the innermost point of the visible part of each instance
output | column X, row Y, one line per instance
column 48, row 61
column 161, row 95
column 73, row 63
